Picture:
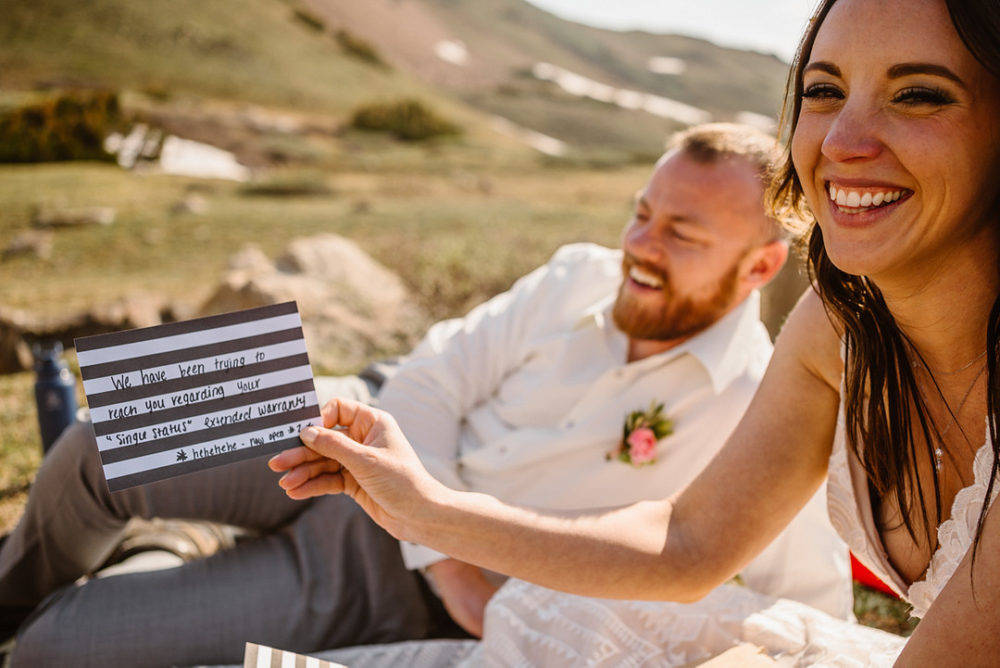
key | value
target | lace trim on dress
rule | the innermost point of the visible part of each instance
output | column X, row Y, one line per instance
column 956, row 534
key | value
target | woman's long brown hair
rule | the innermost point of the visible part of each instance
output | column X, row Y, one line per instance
column 880, row 391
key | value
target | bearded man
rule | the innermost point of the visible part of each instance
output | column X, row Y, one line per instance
column 600, row 379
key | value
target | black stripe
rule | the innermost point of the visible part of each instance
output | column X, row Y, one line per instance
column 132, row 364
column 153, row 475
column 203, row 407
column 212, row 378
column 209, row 436
column 98, row 341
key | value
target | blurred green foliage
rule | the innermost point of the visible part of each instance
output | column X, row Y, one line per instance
column 408, row 119
column 359, row 47
column 67, row 126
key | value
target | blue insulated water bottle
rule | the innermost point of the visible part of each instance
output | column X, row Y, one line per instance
column 55, row 392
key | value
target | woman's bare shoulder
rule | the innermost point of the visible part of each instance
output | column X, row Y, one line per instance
column 812, row 336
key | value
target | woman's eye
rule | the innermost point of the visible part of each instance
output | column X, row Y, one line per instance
column 821, row 91
column 920, row 95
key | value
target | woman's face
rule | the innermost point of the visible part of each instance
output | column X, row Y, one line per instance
column 897, row 145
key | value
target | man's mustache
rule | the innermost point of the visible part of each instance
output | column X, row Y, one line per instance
column 629, row 261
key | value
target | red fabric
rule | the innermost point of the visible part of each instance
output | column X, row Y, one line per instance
column 869, row 579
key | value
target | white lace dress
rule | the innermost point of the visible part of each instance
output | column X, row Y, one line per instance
column 530, row 626
column 850, row 508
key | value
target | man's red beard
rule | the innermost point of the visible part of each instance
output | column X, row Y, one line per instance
column 679, row 317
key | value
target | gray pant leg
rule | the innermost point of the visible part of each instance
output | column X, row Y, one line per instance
column 332, row 578
column 72, row 523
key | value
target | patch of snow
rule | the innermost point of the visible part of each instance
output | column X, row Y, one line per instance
column 538, row 141
column 666, row 65
column 452, row 51
column 146, row 147
column 581, row 86
column 191, row 158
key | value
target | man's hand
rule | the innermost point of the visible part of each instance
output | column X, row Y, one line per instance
column 464, row 590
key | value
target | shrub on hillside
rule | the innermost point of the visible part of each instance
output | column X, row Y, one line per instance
column 358, row 47
column 409, row 120
column 309, row 19
column 70, row 126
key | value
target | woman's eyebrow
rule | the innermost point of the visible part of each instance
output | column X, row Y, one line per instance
column 822, row 66
column 906, row 69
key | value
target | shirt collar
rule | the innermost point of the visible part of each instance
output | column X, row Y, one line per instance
column 724, row 349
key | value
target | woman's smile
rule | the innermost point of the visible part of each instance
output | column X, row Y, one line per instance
column 854, row 205
column 896, row 148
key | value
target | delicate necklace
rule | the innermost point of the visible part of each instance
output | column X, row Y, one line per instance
column 953, row 415
column 961, row 368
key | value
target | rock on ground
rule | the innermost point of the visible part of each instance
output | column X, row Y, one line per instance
column 354, row 310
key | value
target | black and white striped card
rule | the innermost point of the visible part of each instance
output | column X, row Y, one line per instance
column 262, row 656
column 190, row 395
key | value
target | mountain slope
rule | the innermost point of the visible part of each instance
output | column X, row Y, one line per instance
column 488, row 53
column 602, row 98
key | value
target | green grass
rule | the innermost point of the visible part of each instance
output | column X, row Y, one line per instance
column 873, row 608
column 455, row 238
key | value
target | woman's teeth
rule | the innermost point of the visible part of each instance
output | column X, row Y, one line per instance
column 646, row 278
column 856, row 199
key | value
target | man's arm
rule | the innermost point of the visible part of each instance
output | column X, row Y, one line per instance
column 464, row 590
column 459, row 364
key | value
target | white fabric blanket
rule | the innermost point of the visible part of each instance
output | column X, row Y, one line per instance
column 527, row 625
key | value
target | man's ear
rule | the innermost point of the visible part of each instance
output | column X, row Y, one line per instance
column 763, row 263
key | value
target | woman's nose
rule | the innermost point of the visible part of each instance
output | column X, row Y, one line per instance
column 852, row 135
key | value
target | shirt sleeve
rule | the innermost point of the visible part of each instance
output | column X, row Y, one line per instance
column 462, row 362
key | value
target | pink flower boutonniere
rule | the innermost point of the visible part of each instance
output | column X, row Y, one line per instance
column 642, row 430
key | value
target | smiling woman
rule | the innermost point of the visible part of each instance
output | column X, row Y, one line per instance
column 881, row 381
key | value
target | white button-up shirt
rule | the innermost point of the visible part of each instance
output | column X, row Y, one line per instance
column 526, row 396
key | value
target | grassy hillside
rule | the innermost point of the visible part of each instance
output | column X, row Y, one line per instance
column 250, row 50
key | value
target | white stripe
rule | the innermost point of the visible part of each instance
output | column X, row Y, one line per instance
column 263, row 656
column 240, row 442
column 189, row 340
column 205, row 421
column 287, row 660
column 172, row 371
column 212, row 392
column 312, row 662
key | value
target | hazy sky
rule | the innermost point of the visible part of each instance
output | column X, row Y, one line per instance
column 771, row 26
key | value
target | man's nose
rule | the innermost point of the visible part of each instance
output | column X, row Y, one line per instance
column 646, row 242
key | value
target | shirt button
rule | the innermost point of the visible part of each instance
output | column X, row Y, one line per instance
column 569, row 424
column 503, row 449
